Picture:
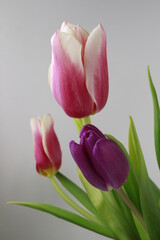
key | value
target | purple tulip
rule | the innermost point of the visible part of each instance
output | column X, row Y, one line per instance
column 101, row 160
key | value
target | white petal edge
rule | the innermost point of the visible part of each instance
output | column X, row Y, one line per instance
column 92, row 51
column 82, row 31
column 71, row 46
column 35, row 124
column 68, row 28
column 49, row 75
column 47, row 123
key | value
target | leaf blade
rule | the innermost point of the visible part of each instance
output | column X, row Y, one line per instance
column 68, row 216
column 150, row 210
column 156, row 118
column 76, row 191
column 122, row 225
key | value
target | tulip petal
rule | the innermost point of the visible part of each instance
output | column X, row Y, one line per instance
column 90, row 127
column 86, row 167
column 95, row 61
column 67, row 76
column 42, row 162
column 113, row 165
column 68, row 28
column 82, row 36
column 50, row 142
column 89, row 135
column 88, row 141
column 49, row 75
column 75, row 30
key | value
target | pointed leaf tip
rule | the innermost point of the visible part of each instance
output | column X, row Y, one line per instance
column 156, row 118
column 130, row 118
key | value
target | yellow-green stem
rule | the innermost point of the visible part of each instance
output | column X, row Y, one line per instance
column 72, row 203
column 80, row 122
column 86, row 120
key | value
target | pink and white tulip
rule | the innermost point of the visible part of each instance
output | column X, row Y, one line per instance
column 79, row 71
column 47, row 150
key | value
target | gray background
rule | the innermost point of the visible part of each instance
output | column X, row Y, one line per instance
column 133, row 37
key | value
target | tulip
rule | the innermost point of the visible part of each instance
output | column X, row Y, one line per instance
column 46, row 146
column 79, row 73
column 101, row 160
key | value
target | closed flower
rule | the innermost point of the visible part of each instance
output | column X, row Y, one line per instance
column 101, row 160
column 47, row 150
column 79, row 73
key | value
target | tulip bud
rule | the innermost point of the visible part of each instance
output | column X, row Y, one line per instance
column 101, row 160
column 46, row 146
column 79, row 73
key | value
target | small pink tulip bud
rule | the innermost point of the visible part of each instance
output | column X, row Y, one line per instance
column 47, row 150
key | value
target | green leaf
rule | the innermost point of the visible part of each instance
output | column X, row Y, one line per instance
column 149, row 204
column 142, row 232
column 122, row 213
column 97, row 199
column 156, row 118
column 135, row 152
column 132, row 153
column 131, row 185
column 77, row 192
column 68, row 216
column 156, row 190
column 120, row 221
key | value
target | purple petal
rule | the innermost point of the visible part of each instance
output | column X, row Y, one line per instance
column 89, row 136
column 89, row 127
column 88, row 140
column 110, row 162
column 86, row 167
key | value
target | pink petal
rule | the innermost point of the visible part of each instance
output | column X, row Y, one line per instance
column 50, row 142
column 67, row 76
column 95, row 61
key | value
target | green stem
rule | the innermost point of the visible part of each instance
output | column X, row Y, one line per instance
column 132, row 207
column 86, row 120
column 72, row 203
column 80, row 122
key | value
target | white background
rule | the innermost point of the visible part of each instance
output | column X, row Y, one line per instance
column 133, row 41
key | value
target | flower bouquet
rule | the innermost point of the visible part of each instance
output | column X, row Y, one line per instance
column 119, row 200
